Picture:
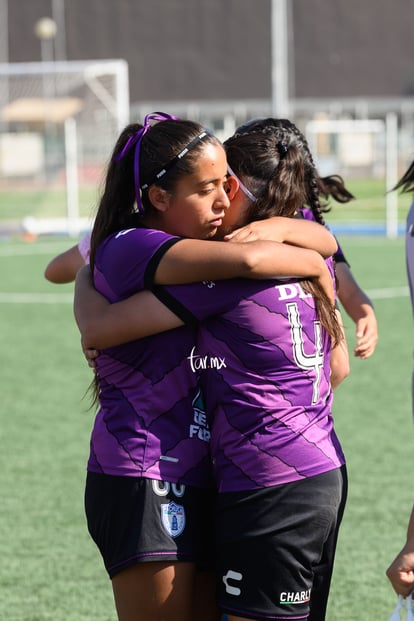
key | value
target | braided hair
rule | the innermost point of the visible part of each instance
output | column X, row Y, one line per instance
column 273, row 160
column 317, row 190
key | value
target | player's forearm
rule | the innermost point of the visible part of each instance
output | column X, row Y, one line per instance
column 307, row 234
column 102, row 324
column 340, row 367
column 294, row 262
column 194, row 261
column 301, row 233
column 90, row 310
column 410, row 530
column 139, row 316
column 63, row 268
column 354, row 300
column 357, row 309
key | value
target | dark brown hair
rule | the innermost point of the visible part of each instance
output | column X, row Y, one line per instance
column 316, row 190
column 117, row 207
column 164, row 140
column 272, row 158
column 406, row 183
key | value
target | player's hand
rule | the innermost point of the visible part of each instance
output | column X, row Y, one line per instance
column 260, row 230
column 367, row 336
column 326, row 283
column 91, row 355
column 400, row 573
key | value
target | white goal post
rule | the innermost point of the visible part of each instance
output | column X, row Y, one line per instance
column 358, row 150
column 59, row 120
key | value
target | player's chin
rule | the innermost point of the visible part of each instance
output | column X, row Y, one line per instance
column 222, row 231
column 211, row 233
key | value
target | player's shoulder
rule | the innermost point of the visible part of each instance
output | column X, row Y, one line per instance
column 135, row 239
column 142, row 233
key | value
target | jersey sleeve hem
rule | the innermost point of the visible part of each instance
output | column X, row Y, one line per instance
column 174, row 305
column 155, row 260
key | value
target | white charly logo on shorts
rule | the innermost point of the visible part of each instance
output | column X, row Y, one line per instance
column 235, row 576
column 295, row 597
column 173, row 518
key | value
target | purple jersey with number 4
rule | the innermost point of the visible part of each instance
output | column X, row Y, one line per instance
column 151, row 422
column 264, row 361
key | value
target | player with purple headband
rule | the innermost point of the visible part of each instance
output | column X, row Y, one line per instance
column 263, row 354
column 149, row 491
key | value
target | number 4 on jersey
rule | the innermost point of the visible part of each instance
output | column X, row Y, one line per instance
column 303, row 360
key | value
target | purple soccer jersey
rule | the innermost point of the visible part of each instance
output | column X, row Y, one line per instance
column 264, row 363
column 151, row 422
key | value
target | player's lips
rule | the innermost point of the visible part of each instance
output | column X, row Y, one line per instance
column 217, row 221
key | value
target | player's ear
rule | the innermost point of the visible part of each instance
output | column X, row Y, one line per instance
column 159, row 197
column 232, row 185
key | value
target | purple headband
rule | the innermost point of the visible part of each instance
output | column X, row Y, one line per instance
column 136, row 141
column 243, row 188
column 175, row 159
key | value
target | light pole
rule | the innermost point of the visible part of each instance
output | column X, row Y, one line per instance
column 45, row 30
column 58, row 15
column 4, row 31
column 4, row 50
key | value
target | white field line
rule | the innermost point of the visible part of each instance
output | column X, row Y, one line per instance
column 36, row 298
column 389, row 292
column 38, row 248
column 67, row 298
